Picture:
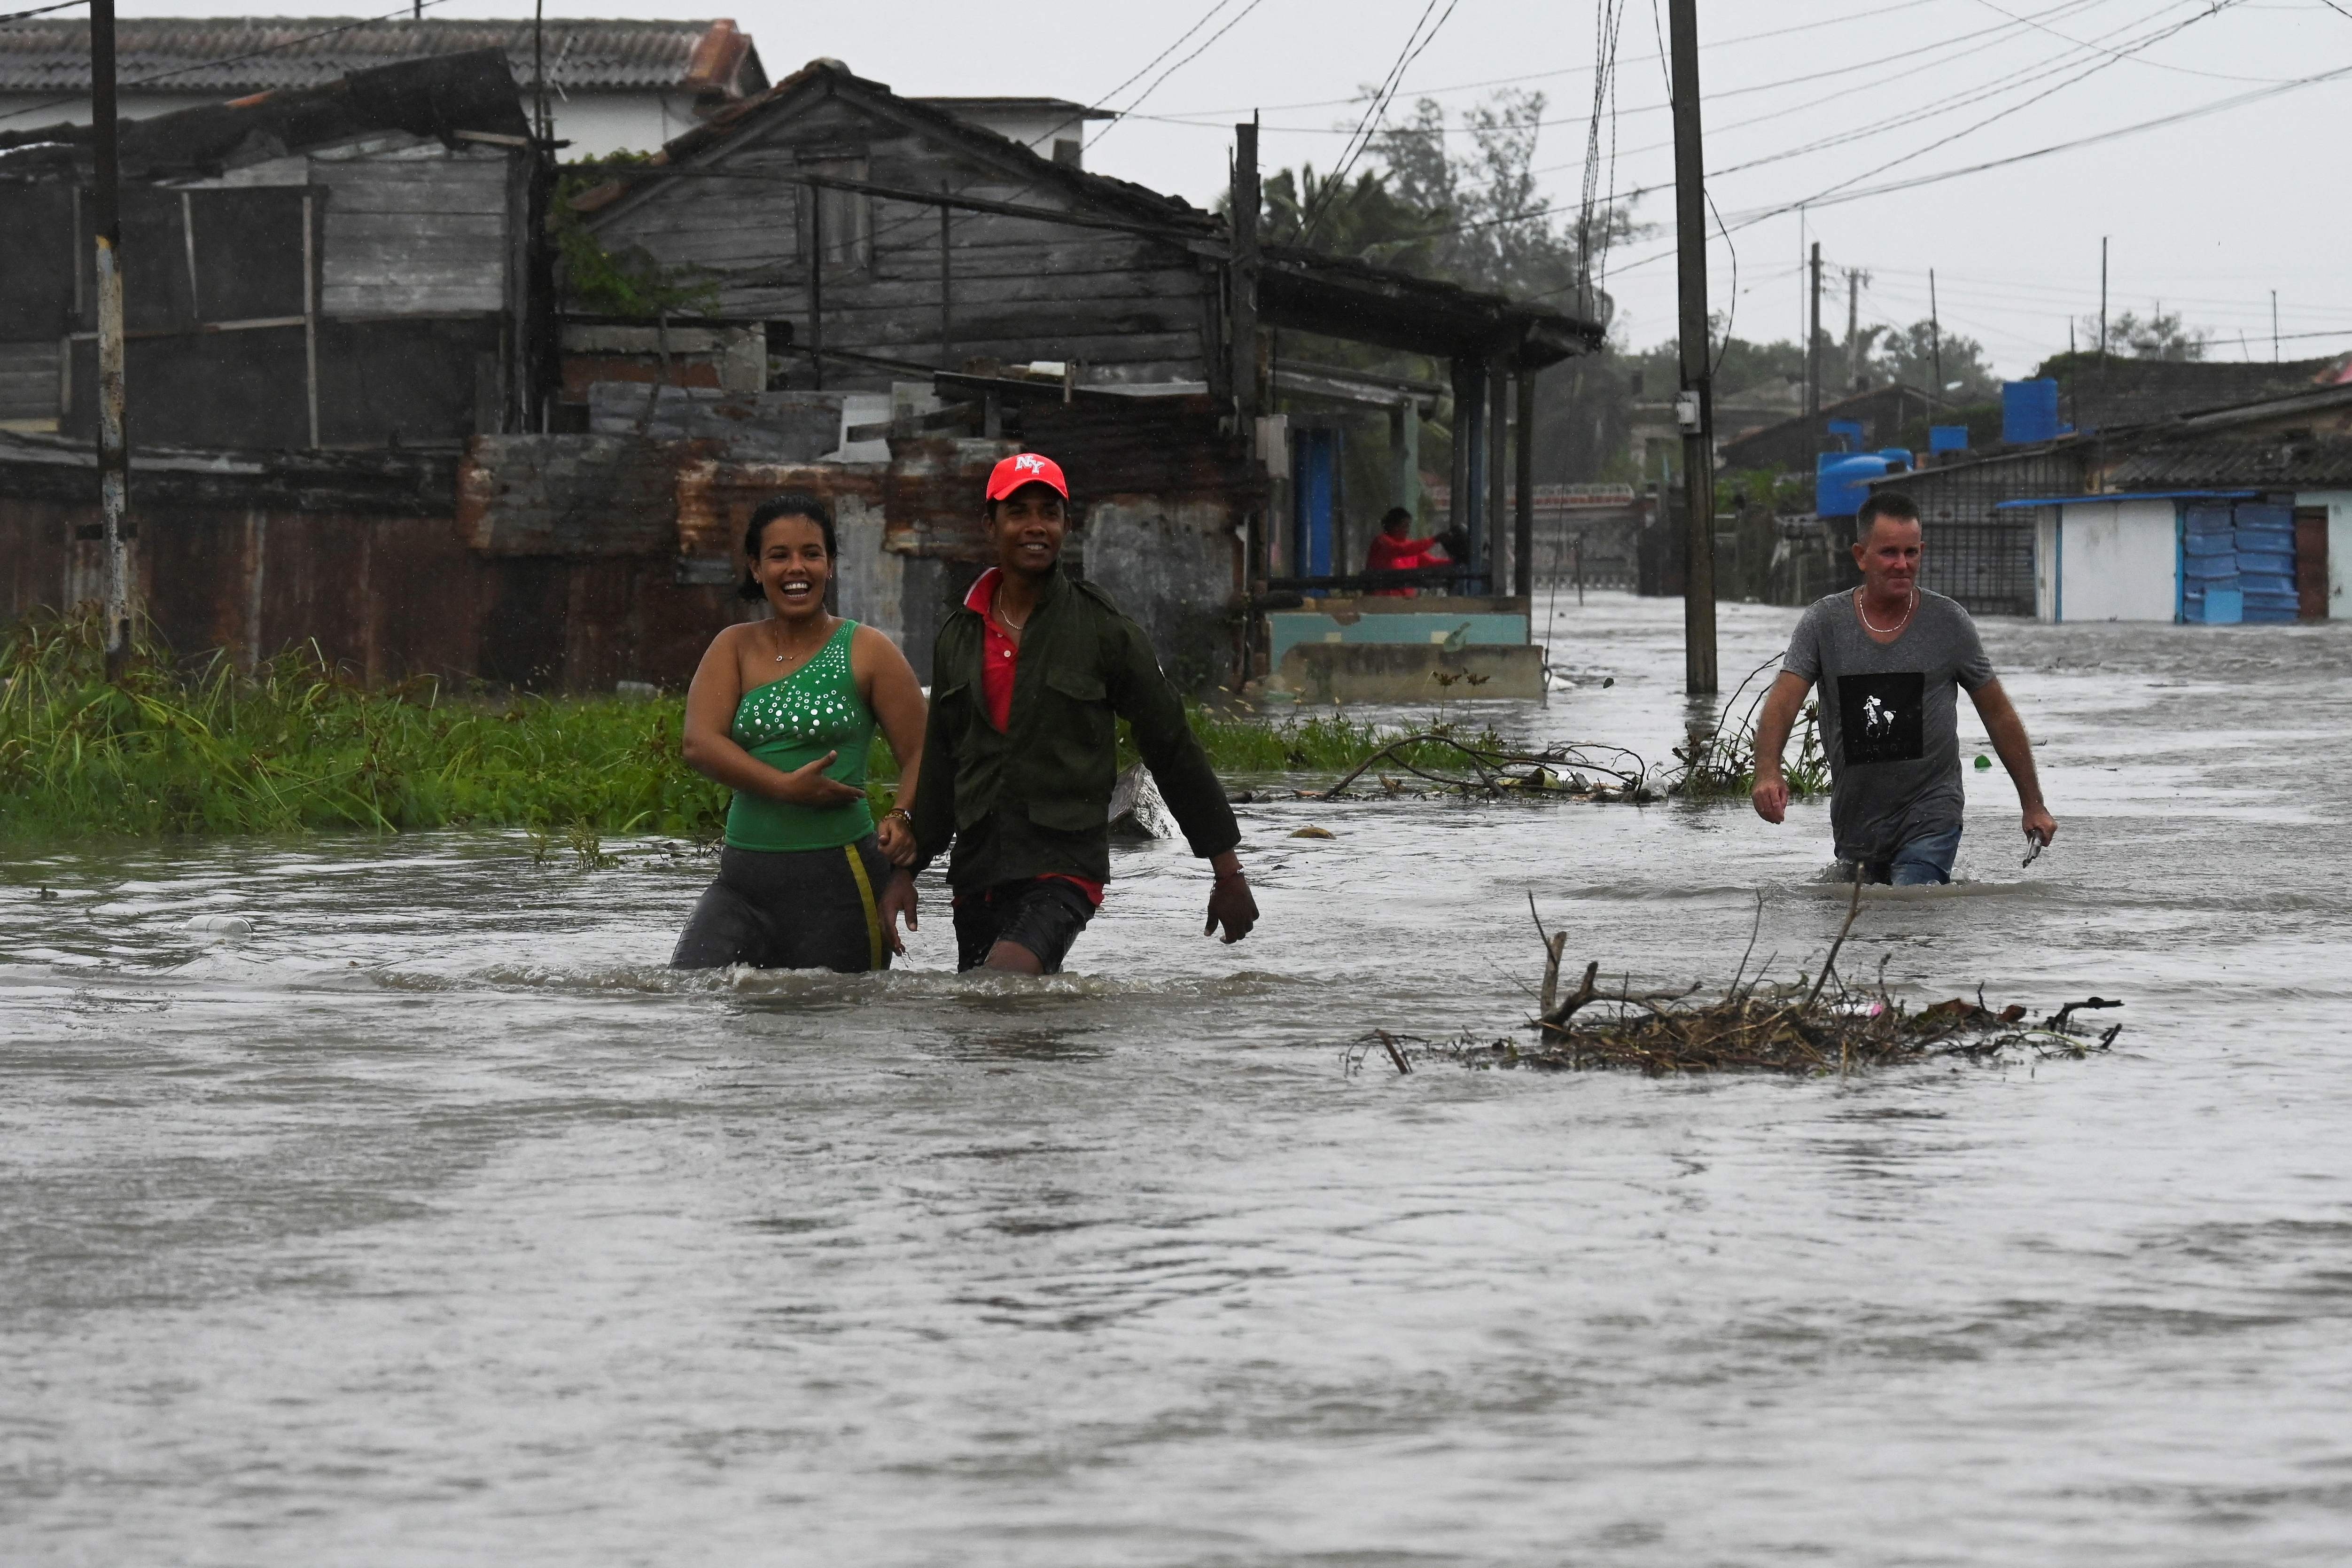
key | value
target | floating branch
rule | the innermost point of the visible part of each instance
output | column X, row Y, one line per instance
column 1802, row 1026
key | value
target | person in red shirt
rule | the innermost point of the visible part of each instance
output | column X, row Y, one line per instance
column 1030, row 677
column 1393, row 551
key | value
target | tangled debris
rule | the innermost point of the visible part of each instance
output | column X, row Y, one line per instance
column 1485, row 769
column 1754, row 1027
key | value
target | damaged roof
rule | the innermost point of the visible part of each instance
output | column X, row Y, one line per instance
column 822, row 77
column 1302, row 289
column 232, row 56
column 443, row 98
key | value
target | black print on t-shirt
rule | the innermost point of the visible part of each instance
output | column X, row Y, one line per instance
column 1879, row 716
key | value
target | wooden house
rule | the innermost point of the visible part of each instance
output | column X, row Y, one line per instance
column 342, row 266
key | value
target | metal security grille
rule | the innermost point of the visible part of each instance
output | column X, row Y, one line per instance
column 1986, row 566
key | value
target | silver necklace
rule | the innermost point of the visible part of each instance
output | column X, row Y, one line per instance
column 1007, row 622
column 786, row 650
column 1862, row 608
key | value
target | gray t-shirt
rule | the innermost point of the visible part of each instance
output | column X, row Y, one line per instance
column 1889, row 718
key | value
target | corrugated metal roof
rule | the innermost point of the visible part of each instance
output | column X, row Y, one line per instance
column 234, row 56
column 2270, row 462
column 2122, row 495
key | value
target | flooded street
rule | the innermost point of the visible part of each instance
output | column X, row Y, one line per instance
column 409, row 1212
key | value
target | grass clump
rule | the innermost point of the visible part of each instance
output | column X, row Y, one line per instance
column 1721, row 763
column 297, row 745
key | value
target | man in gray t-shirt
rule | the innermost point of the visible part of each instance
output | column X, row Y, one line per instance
column 1890, row 659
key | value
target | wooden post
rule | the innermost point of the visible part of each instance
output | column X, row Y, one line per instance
column 310, row 314
column 1695, row 409
column 1935, row 340
column 1498, row 474
column 947, row 289
column 1523, row 473
column 113, row 444
column 1404, row 454
column 815, row 199
column 1469, row 424
column 1813, row 357
column 1242, row 289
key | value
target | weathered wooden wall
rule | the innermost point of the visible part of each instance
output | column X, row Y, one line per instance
column 1130, row 307
column 397, row 265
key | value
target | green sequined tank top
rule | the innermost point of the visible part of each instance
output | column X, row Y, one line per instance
column 789, row 724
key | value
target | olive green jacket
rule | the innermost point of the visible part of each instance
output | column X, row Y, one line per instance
column 1034, row 799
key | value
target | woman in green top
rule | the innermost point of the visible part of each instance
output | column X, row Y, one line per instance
column 782, row 711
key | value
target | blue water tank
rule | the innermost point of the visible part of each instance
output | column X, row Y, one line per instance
column 2029, row 411
column 1842, row 479
column 1947, row 437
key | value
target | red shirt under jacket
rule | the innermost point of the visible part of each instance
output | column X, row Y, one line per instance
column 1000, row 661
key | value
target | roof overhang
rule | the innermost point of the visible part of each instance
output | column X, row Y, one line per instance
column 2125, row 495
column 1308, row 292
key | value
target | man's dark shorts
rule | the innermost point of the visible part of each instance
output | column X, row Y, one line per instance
column 1043, row 914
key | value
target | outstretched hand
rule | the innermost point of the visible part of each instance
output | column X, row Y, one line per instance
column 808, row 785
column 1231, row 906
column 897, row 903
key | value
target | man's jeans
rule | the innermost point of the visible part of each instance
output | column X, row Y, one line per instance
column 1923, row 862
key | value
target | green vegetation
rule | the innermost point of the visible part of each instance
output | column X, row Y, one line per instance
column 627, row 283
column 297, row 745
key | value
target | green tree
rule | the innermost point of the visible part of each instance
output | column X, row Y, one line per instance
column 2161, row 335
column 1910, row 355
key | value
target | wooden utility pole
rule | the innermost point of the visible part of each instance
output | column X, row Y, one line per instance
column 1854, row 278
column 1695, row 408
column 1936, row 338
column 113, row 443
column 1241, row 366
column 1813, row 355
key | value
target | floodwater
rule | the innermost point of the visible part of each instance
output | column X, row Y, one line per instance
column 406, row 1211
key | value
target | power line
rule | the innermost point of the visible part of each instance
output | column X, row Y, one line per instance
column 1756, row 215
column 1414, row 46
column 1239, row 16
column 43, row 10
column 1573, row 71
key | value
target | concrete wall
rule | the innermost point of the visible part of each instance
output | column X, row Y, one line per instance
column 1170, row 564
column 2119, row 560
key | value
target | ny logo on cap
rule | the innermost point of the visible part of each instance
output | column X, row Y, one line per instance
column 1028, row 461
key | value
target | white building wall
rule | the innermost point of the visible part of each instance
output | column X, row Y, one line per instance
column 2119, row 561
column 2339, row 547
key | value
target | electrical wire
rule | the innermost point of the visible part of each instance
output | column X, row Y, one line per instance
column 42, row 10
column 1361, row 138
column 1239, row 16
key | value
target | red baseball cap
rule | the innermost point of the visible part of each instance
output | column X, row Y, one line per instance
column 1025, row 468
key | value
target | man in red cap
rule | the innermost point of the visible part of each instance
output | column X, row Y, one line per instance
column 1029, row 680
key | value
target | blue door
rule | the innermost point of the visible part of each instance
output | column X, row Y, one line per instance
column 1314, row 491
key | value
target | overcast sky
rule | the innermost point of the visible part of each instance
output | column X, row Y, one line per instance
column 2207, row 215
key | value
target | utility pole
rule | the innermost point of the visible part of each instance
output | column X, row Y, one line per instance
column 2274, row 337
column 1241, row 318
column 1854, row 278
column 113, row 444
column 1694, row 406
column 1813, row 355
column 1936, row 338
